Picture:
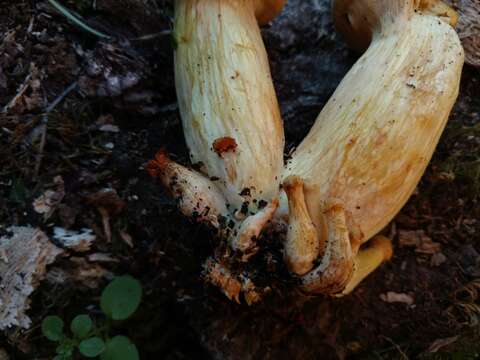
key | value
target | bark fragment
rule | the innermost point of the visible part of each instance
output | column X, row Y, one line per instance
column 27, row 252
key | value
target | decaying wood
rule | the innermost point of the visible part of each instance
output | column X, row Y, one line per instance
column 25, row 256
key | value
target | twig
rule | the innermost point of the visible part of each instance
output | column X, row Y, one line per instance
column 152, row 36
column 396, row 347
column 68, row 14
column 44, row 123
column 20, row 92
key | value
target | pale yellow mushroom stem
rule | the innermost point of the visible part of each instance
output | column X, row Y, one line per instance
column 337, row 263
column 229, row 110
column 372, row 141
column 302, row 245
column 367, row 260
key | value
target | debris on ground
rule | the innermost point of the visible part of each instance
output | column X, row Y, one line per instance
column 418, row 240
column 393, row 297
column 27, row 252
column 49, row 201
column 79, row 241
column 441, row 343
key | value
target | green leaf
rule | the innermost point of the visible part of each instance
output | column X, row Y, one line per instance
column 91, row 347
column 120, row 348
column 52, row 328
column 65, row 349
column 81, row 326
column 121, row 297
column 62, row 357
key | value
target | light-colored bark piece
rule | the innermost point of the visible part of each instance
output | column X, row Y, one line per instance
column 79, row 241
column 27, row 252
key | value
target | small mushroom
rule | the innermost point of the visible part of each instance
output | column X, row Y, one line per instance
column 372, row 141
column 230, row 114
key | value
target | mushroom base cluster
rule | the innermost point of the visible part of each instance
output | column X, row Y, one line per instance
column 351, row 174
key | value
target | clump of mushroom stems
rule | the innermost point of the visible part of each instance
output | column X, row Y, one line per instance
column 373, row 139
column 359, row 163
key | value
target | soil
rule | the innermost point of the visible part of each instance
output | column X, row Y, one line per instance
column 123, row 110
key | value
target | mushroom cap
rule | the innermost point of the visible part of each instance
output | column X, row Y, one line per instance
column 356, row 20
column 267, row 10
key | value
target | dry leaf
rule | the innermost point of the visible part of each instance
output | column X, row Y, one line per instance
column 48, row 202
column 419, row 240
column 79, row 271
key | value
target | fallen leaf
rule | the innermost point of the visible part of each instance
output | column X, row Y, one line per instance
column 79, row 271
column 393, row 297
column 108, row 203
column 48, row 202
column 419, row 240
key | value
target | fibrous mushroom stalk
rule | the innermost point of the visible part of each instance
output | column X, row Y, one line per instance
column 230, row 117
column 374, row 138
column 355, row 169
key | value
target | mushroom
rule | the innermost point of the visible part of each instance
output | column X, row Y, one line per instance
column 372, row 141
column 230, row 117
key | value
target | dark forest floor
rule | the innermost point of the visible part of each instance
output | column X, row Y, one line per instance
column 181, row 317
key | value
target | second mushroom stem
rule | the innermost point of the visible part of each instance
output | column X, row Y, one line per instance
column 374, row 138
column 230, row 117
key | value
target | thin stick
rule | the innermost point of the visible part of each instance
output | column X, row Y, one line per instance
column 67, row 13
column 20, row 92
column 152, row 36
column 44, row 123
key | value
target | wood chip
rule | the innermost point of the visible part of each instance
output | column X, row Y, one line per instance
column 393, row 297
column 79, row 241
column 29, row 251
